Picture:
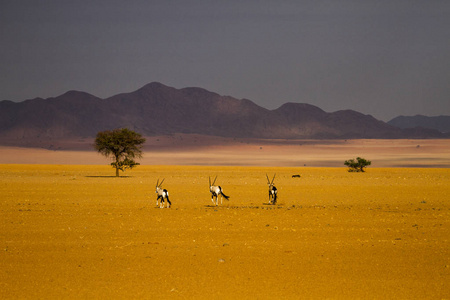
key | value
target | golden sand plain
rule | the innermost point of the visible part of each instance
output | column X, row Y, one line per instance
column 74, row 231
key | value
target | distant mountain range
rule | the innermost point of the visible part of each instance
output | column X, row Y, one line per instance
column 440, row 123
column 156, row 109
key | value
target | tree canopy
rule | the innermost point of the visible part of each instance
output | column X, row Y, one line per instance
column 357, row 165
column 123, row 145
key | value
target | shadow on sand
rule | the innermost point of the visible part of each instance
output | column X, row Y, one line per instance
column 105, row 176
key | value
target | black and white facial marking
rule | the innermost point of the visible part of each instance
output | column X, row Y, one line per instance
column 215, row 191
column 162, row 194
column 272, row 190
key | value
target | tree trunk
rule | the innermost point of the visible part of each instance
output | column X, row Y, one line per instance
column 117, row 164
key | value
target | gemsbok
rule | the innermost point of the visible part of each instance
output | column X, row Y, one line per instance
column 163, row 194
column 216, row 190
column 272, row 190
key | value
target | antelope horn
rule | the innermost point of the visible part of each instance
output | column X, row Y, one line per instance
column 161, row 182
column 157, row 182
column 268, row 180
column 209, row 177
column 273, row 178
column 214, row 180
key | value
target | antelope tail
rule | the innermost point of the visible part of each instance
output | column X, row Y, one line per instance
column 225, row 196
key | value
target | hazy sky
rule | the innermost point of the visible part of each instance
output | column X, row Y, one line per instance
column 384, row 58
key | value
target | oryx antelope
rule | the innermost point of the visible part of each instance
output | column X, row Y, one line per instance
column 272, row 190
column 163, row 194
column 216, row 190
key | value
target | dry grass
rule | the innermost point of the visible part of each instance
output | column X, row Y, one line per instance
column 76, row 232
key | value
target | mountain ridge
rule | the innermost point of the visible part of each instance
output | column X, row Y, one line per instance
column 440, row 123
column 157, row 109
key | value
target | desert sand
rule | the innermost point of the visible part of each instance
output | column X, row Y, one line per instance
column 70, row 229
column 74, row 231
column 202, row 150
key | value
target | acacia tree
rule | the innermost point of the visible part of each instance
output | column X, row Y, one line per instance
column 123, row 145
column 357, row 165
